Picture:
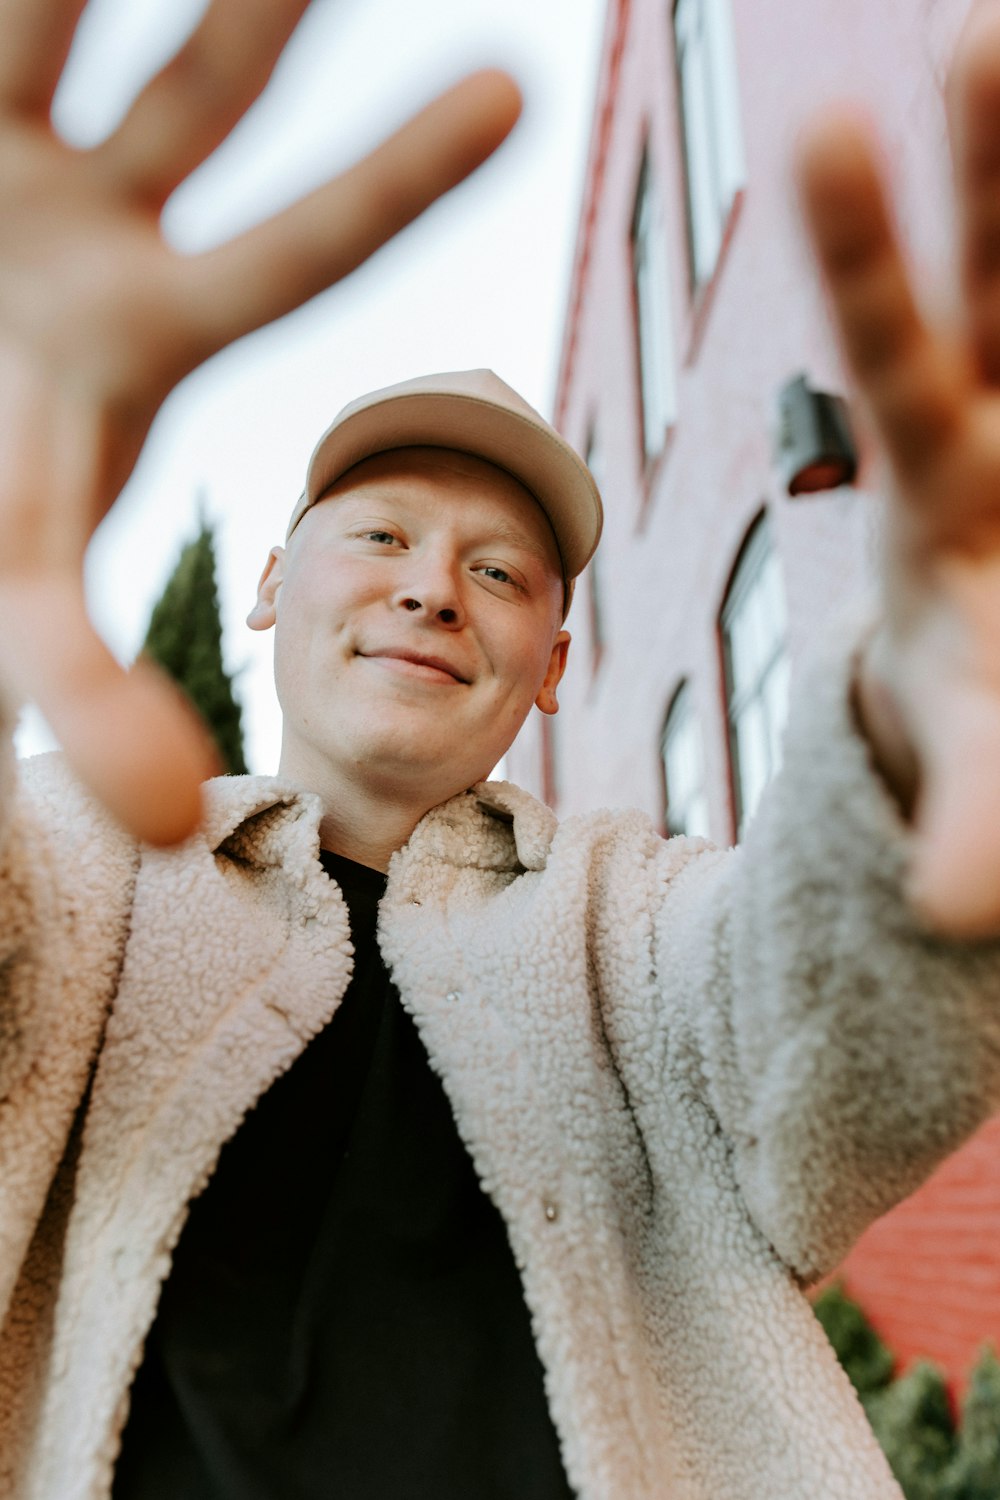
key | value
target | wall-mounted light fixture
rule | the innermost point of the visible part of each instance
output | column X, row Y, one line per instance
column 814, row 446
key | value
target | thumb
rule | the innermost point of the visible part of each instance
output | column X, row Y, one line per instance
column 954, row 879
column 129, row 736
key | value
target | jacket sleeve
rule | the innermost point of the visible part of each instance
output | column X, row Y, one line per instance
column 843, row 1049
column 66, row 879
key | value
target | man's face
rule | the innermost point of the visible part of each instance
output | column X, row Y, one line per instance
column 417, row 609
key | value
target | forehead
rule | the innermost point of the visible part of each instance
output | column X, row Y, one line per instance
column 430, row 478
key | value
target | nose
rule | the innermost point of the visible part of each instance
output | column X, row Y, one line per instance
column 432, row 588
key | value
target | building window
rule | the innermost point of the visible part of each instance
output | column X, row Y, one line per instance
column 684, row 767
column 595, row 571
column 652, row 310
column 756, row 670
column 710, row 117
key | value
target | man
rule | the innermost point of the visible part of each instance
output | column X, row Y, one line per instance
column 675, row 1083
column 418, row 602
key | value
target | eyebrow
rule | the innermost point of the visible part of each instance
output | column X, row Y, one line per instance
column 502, row 531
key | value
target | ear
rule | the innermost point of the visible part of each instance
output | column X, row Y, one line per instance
column 263, row 614
column 546, row 699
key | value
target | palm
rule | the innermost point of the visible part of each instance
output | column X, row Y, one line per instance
column 91, row 340
column 99, row 319
column 934, row 398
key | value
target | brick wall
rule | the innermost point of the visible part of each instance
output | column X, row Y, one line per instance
column 928, row 1274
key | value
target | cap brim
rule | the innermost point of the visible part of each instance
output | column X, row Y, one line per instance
column 542, row 461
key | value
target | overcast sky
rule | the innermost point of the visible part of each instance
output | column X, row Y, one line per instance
column 481, row 280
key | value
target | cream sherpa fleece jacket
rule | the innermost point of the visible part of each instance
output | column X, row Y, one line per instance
column 688, row 1078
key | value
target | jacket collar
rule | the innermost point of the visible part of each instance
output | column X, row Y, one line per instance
column 259, row 818
column 265, row 819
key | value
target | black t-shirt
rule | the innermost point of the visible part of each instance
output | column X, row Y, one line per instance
column 343, row 1319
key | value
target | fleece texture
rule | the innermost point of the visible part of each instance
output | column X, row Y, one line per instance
column 688, row 1078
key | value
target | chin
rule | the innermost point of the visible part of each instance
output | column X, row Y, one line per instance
column 427, row 755
column 409, row 755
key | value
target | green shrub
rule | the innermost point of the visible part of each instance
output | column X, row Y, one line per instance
column 975, row 1472
column 868, row 1361
column 913, row 1422
column 912, row 1416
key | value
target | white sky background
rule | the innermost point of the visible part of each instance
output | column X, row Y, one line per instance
column 481, row 280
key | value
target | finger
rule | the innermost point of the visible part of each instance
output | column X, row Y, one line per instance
column 911, row 381
column 129, row 736
column 974, row 119
column 279, row 264
column 193, row 104
column 36, row 42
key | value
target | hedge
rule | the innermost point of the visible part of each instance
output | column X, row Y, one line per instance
column 932, row 1456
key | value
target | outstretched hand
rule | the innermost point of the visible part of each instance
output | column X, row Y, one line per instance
column 100, row 318
column 929, row 688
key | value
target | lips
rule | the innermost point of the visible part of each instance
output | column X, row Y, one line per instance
column 403, row 654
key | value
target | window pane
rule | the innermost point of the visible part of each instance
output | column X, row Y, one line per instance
column 687, row 805
column 696, row 822
column 652, row 296
column 773, row 601
column 705, row 228
column 753, row 626
column 752, row 755
column 709, row 88
column 776, row 708
column 754, row 630
column 730, row 170
column 746, row 639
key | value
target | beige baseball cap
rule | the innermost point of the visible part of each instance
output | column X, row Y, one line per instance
column 472, row 411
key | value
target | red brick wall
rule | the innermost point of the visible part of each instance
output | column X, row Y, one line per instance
column 929, row 1273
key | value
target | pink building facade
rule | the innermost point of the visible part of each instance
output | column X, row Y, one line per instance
column 728, row 333
column 693, row 303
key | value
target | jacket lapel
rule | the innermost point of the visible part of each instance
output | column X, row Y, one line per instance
column 239, row 953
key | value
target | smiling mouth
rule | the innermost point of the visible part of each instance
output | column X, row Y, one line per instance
column 414, row 664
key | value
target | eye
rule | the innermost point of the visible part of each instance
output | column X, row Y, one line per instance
column 380, row 537
column 497, row 574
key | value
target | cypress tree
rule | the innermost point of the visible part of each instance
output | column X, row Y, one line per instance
column 185, row 638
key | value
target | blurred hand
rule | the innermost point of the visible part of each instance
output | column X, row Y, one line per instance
column 99, row 320
column 929, row 689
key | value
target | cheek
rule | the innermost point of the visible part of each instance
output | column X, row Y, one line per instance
column 330, row 588
column 525, row 663
column 290, row 673
column 312, row 603
column 535, row 654
column 292, row 636
column 303, row 624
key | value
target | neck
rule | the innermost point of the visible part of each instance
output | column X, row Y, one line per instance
column 369, row 837
column 362, row 820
